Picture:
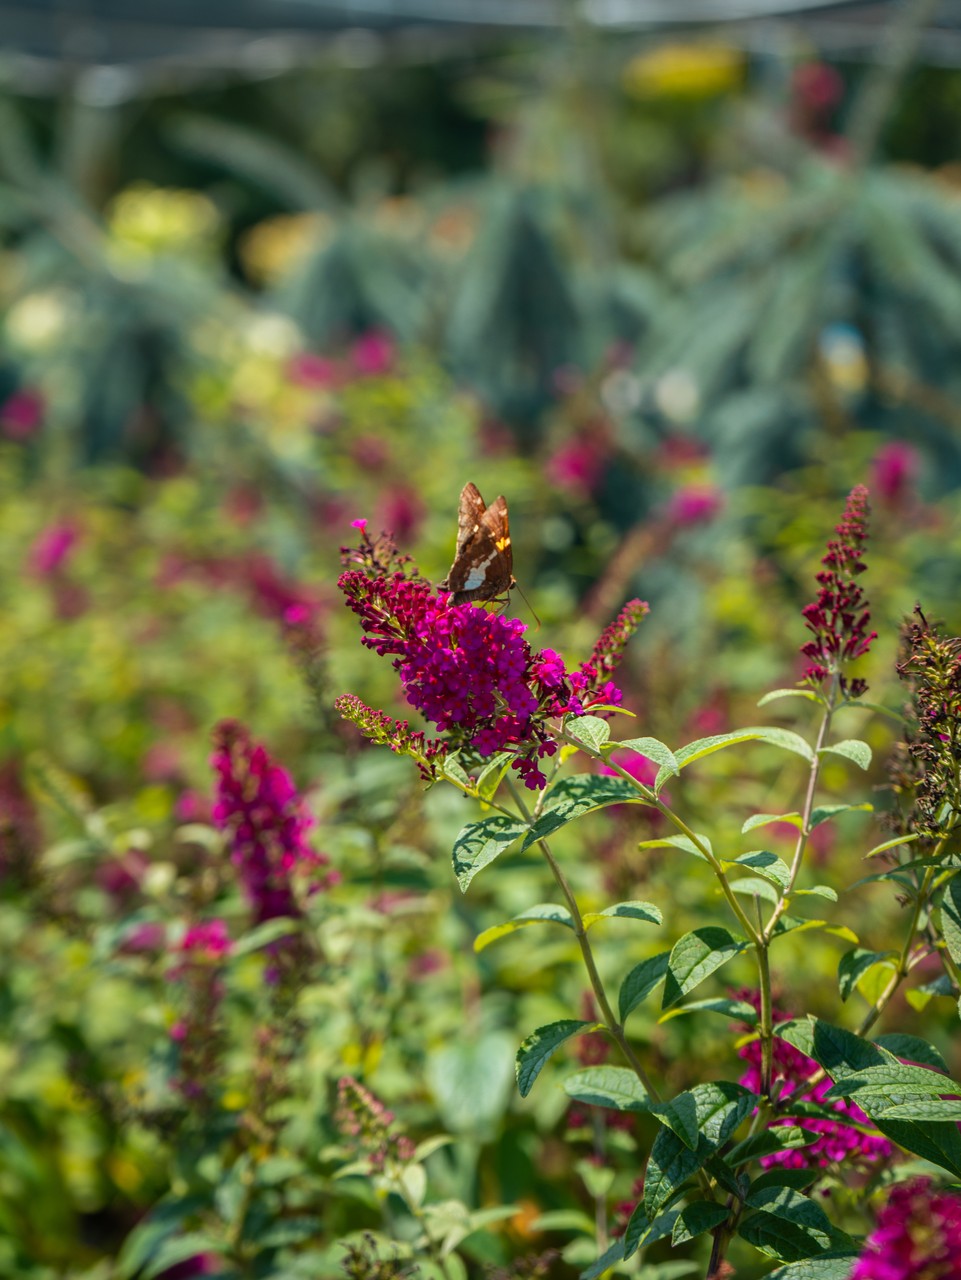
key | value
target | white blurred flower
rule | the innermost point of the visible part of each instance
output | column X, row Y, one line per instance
column 272, row 334
column 677, row 396
column 38, row 320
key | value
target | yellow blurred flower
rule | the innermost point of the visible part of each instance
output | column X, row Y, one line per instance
column 162, row 219
column 685, row 71
column 271, row 248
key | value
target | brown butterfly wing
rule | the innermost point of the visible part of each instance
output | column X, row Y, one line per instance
column 483, row 560
column 470, row 514
column 496, row 521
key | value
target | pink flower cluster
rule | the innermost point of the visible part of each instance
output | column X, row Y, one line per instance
column 52, row 548
column 917, row 1237
column 471, row 672
column 838, row 1142
column 266, row 821
column 839, row 617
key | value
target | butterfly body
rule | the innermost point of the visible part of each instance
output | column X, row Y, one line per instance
column 483, row 562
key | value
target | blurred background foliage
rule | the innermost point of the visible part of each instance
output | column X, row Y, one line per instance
column 673, row 297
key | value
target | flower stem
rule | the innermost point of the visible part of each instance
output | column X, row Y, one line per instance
column 615, row 1027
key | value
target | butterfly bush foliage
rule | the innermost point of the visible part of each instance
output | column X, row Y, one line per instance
column 787, row 1157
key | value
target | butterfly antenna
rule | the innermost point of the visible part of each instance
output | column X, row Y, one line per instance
column 529, row 605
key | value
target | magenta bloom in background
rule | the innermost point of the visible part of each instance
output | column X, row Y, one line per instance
column 373, row 354
column 21, row 415
column 578, row 465
column 894, row 470
column 636, row 765
column 918, row 1236
column 694, row 504
column 265, row 819
column 837, row 1142
column 52, row 548
column 208, row 940
column 309, row 370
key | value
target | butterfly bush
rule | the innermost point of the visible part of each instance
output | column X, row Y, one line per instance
column 266, row 822
column 917, row 1237
column 467, row 671
column 925, row 769
column 839, row 617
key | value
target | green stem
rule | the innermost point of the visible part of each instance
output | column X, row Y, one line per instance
column 615, row 1027
column 904, row 965
column 705, row 850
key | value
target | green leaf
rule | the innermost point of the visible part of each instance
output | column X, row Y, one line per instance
column 147, row 1236
column 783, row 1138
column 951, row 918
column 642, row 1231
column 626, row 911
column 695, row 957
column 833, row 1048
column 178, row 1249
column 669, row 1166
column 932, row 1140
column 818, row 891
column 776, row 737
column 854, row 964
column 829, row 1266
column 755, row 887
column 539, row 1046
column 799, row 1179
column 490, row 777
column 842, row 1053
column 640, row 982
column 677, row 842
column 614, row 1087
column 614, row 1253
column 913, row 1048
column 564, row 1220
column 590, row 731
column 653, row 749
column 890, row 844
column 825, row 812
column 788, row 1225
column 880, row 1106
column 572, row 797
column 851, row 749
column 766, row 864
column 452, row 768
column 263, row 935
column 767, row 819
column 292, row 1230
column 890, row 1075
column 543, row 912
column 715, row 1111
column 696, row 1218
column 481, row 842
column 791, row 924
column 728, row 1008
column 809, row 694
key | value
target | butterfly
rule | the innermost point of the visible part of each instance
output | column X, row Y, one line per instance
column 483, row 560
